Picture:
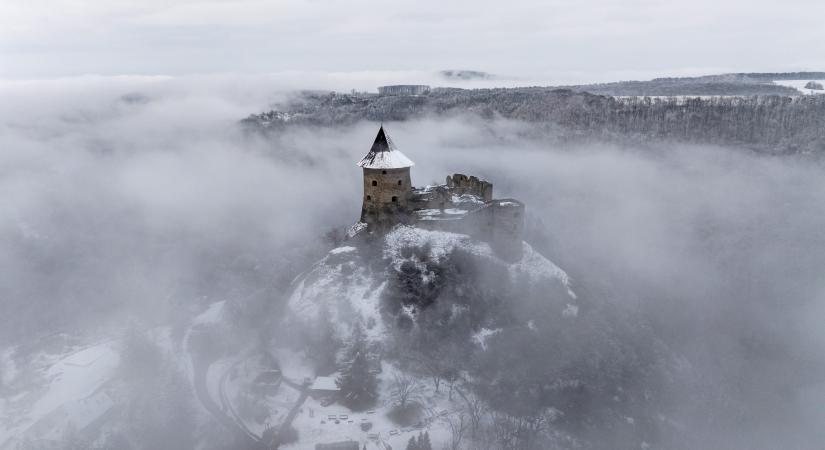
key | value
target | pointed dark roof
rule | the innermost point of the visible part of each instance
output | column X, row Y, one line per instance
column 384, row 155
column 382, row 142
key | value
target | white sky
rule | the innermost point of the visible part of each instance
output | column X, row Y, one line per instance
column 556, row 41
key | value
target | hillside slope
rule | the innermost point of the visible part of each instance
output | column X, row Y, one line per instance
column 768, row 124
column 515, row 335
column 408, row 272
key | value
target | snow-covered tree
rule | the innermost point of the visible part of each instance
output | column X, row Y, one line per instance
column 359, row 386
column 424, row 441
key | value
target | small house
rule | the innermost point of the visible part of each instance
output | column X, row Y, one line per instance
column 324, row 387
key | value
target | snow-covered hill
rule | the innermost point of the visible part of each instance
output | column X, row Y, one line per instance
column 354, row 282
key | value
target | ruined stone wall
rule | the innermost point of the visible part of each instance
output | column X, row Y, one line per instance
column 508, row 228
column 386, row 192
column 463, row 184
column 431, row 197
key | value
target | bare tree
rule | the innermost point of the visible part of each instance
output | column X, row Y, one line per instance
column 476, row 409
column 458, row 425
column 432, row 366
column 405, row 389
column 519, row 432
column 439, row 363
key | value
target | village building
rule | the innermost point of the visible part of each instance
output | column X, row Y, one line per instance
column 464, row 204
column 324, row 387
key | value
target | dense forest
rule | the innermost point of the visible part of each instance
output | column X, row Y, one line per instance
column 769, row 124
column 724, row 84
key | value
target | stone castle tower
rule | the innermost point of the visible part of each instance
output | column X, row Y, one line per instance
column 465, row 204
column 387, row 183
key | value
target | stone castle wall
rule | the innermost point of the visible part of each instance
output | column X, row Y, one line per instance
column 507, row 233
column 463, row 184
column 464, row 205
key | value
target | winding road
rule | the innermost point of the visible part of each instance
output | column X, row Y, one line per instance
column 243, row 439
column 224, row 413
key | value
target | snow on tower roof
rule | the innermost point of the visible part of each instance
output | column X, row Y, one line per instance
column 384, row 154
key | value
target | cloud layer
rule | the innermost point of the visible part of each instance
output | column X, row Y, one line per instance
column 553, row 41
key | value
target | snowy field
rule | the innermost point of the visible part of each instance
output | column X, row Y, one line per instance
column 800, row 86
column 70, row 393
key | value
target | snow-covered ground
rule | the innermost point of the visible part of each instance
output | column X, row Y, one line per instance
column 317, row 423
column 346, row 288
column 72, row 385
column 800, row 86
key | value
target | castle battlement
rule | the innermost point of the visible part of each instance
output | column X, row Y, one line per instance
column 464, row 204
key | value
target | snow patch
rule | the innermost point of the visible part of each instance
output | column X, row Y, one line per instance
column 799, row 85
column 340, row 250
column 482, row 335
column 73, row 380
column 355, row 229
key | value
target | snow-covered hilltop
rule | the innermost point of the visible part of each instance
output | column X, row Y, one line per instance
column 399, row 288
column 408, row 261
column 471, row 335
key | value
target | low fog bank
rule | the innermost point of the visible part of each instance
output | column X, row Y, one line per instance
column 136, row 198
column 721, row 250
column 141, row 201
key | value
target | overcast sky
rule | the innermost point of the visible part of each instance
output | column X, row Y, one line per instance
column 557, row 41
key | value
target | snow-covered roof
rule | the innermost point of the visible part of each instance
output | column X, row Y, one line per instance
column 324, row 384
column 384, row 154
